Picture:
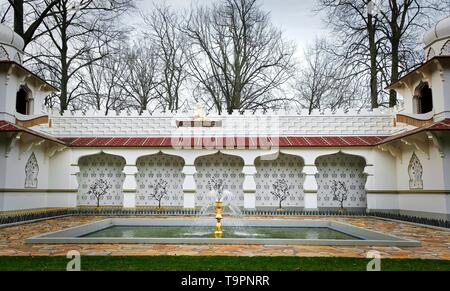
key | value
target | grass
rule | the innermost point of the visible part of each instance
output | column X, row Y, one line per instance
column 190, row 263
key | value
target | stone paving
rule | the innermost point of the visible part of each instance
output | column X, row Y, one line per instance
column 435, row 242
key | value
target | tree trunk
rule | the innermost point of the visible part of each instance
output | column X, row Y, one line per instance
column 373, row 63
column 98, row 201
column 394, row 70
column 63, row 97
column 18, row 17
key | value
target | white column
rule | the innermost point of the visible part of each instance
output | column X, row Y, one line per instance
column 129, row 186
column 74, row 176
column 310, row 187
column 189, row 186
column 369, row 171
column 249, row 187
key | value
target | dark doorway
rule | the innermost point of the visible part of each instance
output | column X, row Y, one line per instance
column 424, row 98
column 22, row 101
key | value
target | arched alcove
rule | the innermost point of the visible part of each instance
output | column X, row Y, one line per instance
column 423, row 98
column 155, row 168
column 219, row 166
column 284, row 167
column 344, row 170
column 24, row 101
column 104, row 167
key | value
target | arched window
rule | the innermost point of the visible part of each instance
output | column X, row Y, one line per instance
column 24, row 101
column 423, row 98
column 31, row 172
column 415, row 172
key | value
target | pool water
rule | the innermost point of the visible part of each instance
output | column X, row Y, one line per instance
column 228, row 232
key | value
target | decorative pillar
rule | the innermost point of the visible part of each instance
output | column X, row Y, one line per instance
column 129, row 186
column 310, row 187
column 189, row 186
column 249, row 187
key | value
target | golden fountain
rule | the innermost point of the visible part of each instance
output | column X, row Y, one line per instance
column 218, row 210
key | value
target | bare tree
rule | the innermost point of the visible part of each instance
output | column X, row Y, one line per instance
column 321, row 81
column 280, row 191
column 142, row 77
column 379, row 38
column 159, row 191
column 163, row 29
column 78, row 36
column 30, row 13
column 99, row 189
column 402, row 23
column 240, row 57
column 355, row 29
column 101, row 84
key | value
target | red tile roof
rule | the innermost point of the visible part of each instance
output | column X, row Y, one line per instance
column 226, row 142
column 6, row 126
column 249, row 142
column 442, row 125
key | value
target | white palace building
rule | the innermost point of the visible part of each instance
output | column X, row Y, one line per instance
column 393, row 161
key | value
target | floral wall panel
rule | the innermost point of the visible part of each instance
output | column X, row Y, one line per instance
column 415, row 172
column 284, row 167
column 341, row 168
column 152, row 169
column 227, row 168
column 31, row 172
column 106, row 167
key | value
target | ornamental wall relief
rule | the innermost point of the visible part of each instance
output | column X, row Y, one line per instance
column 415, row 172
column 31, row 172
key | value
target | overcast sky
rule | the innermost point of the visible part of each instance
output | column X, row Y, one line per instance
column 295, row 17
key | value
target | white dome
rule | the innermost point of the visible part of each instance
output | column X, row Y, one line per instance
column 9, row 37
column 439, row 31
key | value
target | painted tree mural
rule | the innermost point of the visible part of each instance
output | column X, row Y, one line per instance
column 159, row 191
column 339, row 191
column 218, row 186
column 99, row 189
column 280, row 191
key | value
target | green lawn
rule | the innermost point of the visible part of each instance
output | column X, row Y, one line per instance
column 184, row 263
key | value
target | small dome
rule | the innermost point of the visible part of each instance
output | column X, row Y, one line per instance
column 9, row 37
column 439, row 31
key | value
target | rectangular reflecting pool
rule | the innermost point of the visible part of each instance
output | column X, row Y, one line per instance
column 228, row 232
column 236, row 231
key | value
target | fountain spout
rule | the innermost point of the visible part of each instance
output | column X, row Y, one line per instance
column 218, row 210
